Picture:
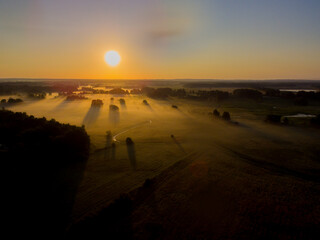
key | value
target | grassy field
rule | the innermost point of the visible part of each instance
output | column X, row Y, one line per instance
column 246, row 181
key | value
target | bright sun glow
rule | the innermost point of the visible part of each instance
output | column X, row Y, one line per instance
column 112, row 58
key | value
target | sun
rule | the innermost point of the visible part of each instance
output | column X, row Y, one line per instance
column 112, row 58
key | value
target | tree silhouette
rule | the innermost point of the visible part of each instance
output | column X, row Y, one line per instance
column 44, row 163
column 226, row 116
column 216, row 113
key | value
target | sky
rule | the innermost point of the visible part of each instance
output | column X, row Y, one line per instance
column 160, row 39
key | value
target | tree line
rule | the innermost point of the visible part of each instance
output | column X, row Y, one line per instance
column 43, row 162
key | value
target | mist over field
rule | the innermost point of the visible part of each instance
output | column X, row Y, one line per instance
column 218, row 174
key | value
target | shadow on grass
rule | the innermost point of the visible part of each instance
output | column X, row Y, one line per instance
column 91, row 116
column 131, row 153
column 177, row 143
column 114, row 116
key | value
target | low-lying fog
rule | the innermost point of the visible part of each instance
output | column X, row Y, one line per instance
column 163, row 135
column 133, row 117
column 147, row 123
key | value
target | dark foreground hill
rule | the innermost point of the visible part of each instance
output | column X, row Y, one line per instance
column 42, row 165
column 195, row 199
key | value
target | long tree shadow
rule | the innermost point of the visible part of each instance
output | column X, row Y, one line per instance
column 178, row 144
column 61, row 105
column 114, row 114
column 110, row 148
column 131, row 153
column 145, row 103
column 184, row 114
column 113, row 151
column 91, row 116
column 264, row 134
column 123, row 104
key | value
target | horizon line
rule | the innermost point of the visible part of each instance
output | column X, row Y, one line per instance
column 164, row 79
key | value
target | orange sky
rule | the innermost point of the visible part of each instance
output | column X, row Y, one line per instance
column 160, row 39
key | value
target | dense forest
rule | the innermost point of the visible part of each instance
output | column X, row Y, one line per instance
column 43, row 163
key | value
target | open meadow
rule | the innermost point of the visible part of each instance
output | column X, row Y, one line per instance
column 229, row 179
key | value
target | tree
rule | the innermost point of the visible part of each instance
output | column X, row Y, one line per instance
column 45, row 162
column 145, row 102
column 122, row 101
column 74, row 97
column 96, row 103
column 113, row 108
column 216, row 113
column 12, row 100
column 129, row 141
column 135, row 91
column 118, row 91
column 226, row 116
